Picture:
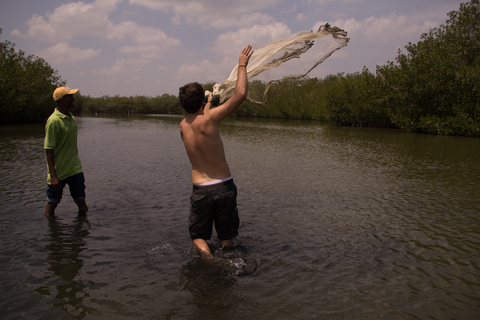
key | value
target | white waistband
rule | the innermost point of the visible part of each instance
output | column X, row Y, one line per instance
column 209, row 183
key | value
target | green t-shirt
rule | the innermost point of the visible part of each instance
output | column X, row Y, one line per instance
column 61, row 137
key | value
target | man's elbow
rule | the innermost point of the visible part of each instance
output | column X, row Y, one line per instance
column 242, row 95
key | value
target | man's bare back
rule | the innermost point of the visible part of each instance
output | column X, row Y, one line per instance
column 204, row 148
column 200, row 131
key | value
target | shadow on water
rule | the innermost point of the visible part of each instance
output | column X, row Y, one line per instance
column 65, row 244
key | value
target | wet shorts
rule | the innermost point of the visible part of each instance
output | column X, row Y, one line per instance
column 76, row 184
column 217, row 204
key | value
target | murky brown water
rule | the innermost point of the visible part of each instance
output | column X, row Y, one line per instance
column 336, row 223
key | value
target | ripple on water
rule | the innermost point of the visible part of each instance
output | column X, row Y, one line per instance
column 335, row 223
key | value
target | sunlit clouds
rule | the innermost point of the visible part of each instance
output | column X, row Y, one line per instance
column 63, row 53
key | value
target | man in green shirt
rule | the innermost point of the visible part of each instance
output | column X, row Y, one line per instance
column 64, row 166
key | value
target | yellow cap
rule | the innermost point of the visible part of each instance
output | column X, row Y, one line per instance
column 62, row 91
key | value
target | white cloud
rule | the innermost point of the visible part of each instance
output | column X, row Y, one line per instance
column 151, row 51
column 151, row 35
column 206, row 70
column 63, row 53
column 387, row 28
column 107, row 5
column 216, row 6
column 80, row 19
column 206, row 12
column 68, row 21
column 154, row 4
column 231, row 43
column 195, row 70
column 122, row 66
column 39, row 29
column 241, row 21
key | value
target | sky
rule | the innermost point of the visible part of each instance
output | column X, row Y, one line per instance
column 153, row 47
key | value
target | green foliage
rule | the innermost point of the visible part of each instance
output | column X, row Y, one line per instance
column 434, row 87
column 26, row 86
column 165, row 104
column 352, row 100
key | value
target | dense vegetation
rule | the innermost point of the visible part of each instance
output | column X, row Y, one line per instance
column 351, row 99
column 26, row 86
column 165, row 104
column 433, row 87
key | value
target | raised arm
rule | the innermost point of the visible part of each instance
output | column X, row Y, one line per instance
column 240, row 92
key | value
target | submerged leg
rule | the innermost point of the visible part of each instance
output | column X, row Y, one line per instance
column 82, row 206
column 50, row 208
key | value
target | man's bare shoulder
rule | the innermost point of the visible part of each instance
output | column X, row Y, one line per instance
column 182, row 123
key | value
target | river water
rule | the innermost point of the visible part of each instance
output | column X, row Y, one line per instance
column 336, row 223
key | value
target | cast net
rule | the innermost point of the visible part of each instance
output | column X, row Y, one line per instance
column 285, row 59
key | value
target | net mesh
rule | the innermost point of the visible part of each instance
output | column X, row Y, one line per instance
column 289, row 58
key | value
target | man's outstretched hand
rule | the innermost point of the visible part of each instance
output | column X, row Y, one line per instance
column 245, row 56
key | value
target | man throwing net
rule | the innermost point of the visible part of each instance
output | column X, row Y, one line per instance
column 214, row 194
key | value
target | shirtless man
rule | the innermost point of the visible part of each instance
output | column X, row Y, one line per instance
column 214, row 194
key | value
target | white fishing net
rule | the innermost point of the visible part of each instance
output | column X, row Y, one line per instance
column 289, row 58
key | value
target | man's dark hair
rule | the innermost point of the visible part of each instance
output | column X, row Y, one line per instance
column 191, row 97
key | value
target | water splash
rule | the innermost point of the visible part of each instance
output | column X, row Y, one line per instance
column 237, row 261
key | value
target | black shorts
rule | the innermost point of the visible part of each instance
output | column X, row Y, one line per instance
column 214, row 204
column 76, row 184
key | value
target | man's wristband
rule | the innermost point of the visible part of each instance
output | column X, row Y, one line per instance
column 242, row 65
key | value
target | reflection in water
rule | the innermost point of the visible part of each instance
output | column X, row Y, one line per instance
column 67, row 241
column 213, row 283
column 213, row 288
